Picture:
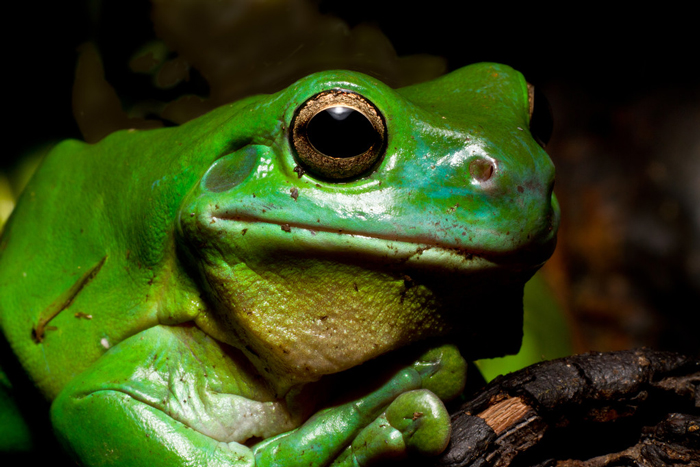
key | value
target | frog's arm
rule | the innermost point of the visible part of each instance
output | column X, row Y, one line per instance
column 138, row 403
column 111, row 428
column 155, row 399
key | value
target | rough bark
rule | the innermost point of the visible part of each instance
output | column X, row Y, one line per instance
column 630, row 408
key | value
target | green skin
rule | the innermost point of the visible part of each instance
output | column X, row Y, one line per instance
column 166, row 293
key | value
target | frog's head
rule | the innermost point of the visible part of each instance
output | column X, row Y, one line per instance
column 342, row 219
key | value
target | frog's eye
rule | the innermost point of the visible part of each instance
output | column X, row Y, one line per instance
column 541, row 121
column 338, row 134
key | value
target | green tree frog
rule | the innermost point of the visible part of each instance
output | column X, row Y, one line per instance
column 291, row 279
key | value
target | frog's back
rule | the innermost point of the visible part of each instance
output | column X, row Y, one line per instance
column 81, row 255
column 87, row 257
column 47, row 246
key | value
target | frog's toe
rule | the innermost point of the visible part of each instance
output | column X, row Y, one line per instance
column 423, row 421
column 378, row 443
column 416, row 421
column 443, row 371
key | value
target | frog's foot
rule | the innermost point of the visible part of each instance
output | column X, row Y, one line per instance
column 405, row 414
column 326, row 434
column 443, row 371
column 416, row 422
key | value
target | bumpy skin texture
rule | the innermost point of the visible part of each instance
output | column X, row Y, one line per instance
column 181, row 294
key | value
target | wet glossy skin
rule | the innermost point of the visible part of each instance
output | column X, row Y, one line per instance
column 180, row 294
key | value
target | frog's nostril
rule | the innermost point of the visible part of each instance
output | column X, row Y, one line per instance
column 481, row 169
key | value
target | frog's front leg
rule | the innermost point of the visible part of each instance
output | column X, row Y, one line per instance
column 169, row 396
column 395, row 419
column 172, row 396
column 110, row 428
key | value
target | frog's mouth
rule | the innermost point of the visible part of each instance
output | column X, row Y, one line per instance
column 388, row 250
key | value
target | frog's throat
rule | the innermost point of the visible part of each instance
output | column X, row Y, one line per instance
column 419, row 252
column 424, row 286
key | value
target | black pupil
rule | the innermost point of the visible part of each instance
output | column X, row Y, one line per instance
column 341, row 132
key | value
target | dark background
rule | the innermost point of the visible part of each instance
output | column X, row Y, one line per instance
column 625, row 95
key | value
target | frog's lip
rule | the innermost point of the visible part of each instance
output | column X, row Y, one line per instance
column 394, row 249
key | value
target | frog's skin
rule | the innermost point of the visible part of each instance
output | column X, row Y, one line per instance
column 178, row 295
